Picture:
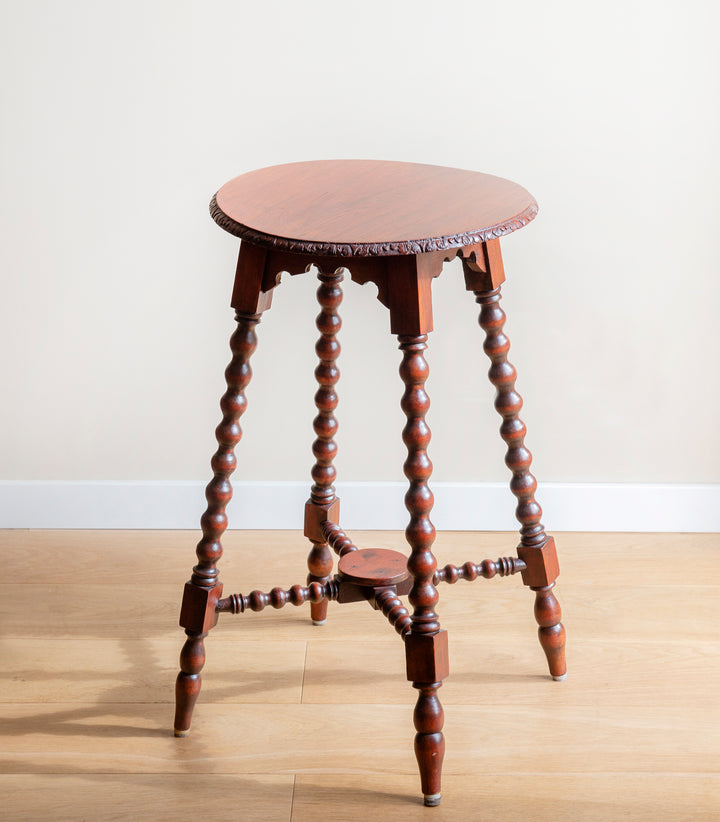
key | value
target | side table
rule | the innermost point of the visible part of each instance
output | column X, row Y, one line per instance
column 393, row 224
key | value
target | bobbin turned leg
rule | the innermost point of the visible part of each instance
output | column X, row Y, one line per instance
column 484, row 275
column 203, row 590
column 425, row 644
column 252, row 294
column 323, row 504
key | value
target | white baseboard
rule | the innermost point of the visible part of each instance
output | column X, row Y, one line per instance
column 459, row 506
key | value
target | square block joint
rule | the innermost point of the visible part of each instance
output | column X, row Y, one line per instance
column 483, row 266
column 198, row 612
column 315, row 515
column 426, row 657
column 542, row 564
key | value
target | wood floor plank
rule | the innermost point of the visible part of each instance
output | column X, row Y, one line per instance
column 267, row 558
column 144, row 670
column 610, row 674
column 521, row 738
column 102, row 611
column 634, row 797
column 165, row 798
column 107, row 557
column 494, row 613
column 502, row 797
column 296, row 721
column 617, row 611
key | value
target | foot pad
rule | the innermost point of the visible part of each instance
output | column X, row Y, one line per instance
column 432, row 799
column 181, row 734
column 561, row 678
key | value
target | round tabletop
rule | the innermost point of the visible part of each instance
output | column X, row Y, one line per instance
column 369, row 207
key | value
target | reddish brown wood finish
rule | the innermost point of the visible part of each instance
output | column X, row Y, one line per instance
column 551, row 631
column 387, row 601
column 323, row 503
column 338, row 540
column 328, row 322
column 203, row 590
column 536, row 548
column 420, row 532
column 297, row 595
column 487, row 569
column 403, row 283
column 395, row 225
column 425, row 644
column 369, row 207
column 374, row 567
column 483, row 267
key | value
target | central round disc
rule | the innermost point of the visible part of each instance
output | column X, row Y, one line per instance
column 374, row 567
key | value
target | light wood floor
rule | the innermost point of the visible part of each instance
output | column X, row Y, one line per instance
column 298, row 722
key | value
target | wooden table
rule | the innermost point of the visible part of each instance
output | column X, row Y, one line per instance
column 393, row 224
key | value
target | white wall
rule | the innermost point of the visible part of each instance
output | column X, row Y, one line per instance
column 121, row 120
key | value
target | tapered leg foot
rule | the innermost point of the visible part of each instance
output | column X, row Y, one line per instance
column 429, row 742
column 551, row 631
column 188, row 683
column 320, row 565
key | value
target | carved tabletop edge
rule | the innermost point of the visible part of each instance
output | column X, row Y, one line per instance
column 386, row 249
